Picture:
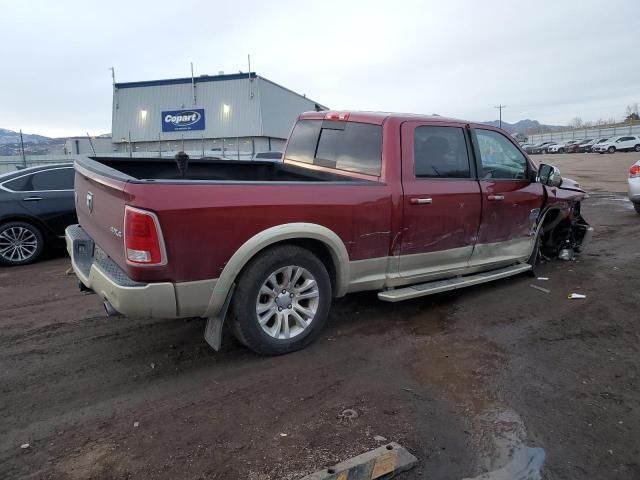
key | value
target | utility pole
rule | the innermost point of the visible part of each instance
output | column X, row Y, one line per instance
column 500, row 107
column 24, row 158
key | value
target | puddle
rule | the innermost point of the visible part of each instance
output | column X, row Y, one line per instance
column 463, row 371
column 526, row 464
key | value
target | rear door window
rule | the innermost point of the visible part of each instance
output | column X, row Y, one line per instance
column 440, row 152
column 350, row 146
column 56, row 179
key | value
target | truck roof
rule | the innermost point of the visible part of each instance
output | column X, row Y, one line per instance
column 379, row 118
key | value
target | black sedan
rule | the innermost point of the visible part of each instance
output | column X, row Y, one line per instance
column 36, row 205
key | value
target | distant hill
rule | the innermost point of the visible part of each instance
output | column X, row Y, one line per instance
column 33, row 144
column 526, row 126
column 9, row 136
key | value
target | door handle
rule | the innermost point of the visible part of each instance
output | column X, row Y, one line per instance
column 32, row 199
column 421, row 201
column 495, row 198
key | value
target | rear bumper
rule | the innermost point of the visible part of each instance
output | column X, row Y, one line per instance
column 101, row 274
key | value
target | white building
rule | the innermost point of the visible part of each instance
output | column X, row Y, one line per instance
column 232, row 116
column 88, row 146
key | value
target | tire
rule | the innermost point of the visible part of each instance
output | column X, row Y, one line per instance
column 561, row 150
column 637, row 148
column 20, row 243
column 270, row 318
column 637, row 207
column 611, row 149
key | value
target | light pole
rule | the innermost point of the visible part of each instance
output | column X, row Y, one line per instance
column 500, row 107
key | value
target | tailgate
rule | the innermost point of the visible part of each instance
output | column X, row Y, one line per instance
column 100, row 202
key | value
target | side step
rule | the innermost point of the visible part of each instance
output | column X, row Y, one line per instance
column 429, row 288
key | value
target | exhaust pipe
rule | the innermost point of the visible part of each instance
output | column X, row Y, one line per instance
column 111, row 312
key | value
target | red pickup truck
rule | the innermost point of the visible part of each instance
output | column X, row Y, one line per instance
column 406, row 205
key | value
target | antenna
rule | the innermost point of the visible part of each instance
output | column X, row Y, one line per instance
column 193, row 86
column 91, row 143
column 113, row 75
column 250, row 79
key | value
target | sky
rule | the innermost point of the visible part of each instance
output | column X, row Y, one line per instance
column 545, row 60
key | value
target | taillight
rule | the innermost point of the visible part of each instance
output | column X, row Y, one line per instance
column 142, row 237
column 634, row 171
column 343, row 116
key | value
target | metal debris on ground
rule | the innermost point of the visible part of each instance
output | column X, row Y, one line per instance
column 542, row 278
column 24, row 445
column 577, row 295
column 136, row 424
column 383, row 462
column 536, row 287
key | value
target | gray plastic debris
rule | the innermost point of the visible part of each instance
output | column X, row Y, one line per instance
column 25, row 445
column 577, row 295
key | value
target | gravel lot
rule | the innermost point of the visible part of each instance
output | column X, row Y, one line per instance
column 460, row 379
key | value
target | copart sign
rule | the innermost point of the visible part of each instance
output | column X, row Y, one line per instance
column 180, row 120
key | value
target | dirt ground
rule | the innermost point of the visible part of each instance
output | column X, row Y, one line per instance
column 460, row 379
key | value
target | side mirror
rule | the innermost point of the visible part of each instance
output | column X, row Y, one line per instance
column 549, row 175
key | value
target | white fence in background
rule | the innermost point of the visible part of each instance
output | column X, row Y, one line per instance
column 14, row 162
column 593, row 132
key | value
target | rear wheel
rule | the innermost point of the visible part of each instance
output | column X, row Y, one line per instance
column 637, row 148
column 561, row 150
column 20, row 243
column 611, row 149
column 637, row 207
column 282, row 300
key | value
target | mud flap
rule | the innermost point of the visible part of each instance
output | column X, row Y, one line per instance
column 213, row 329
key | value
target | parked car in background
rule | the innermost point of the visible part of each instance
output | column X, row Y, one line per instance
column 579, row 146
column 634, row 185
column 588, row 148
column 392, row 203
column 561, row 147
column 36, row 205
column 541, row 148
column 621, row 143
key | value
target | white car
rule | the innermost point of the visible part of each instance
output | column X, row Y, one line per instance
column 561, row 147
column 634, row 185
column 620, row 143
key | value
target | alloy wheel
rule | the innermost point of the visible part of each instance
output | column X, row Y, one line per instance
column 17, row 244
column 287, row 302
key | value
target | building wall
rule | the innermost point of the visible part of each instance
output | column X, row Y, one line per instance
column 81, row 145
column 242, row 119
column 254, row 108
column 280, row 108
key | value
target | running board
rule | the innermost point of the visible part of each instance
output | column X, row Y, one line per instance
column 429, row 288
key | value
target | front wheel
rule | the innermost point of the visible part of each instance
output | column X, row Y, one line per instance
column 282, row 300
column 561, row 150
column 20, row 243
column 637, row 207
column 637, row 148
column 611, row 149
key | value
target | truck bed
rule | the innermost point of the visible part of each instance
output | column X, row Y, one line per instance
column 207, row 170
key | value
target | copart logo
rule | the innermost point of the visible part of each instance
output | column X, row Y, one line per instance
column 184, row 119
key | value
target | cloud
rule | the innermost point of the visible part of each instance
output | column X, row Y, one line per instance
column 545, row 60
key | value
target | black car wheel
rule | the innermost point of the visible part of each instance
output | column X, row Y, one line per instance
column 20, row 243
column 611, row 149
column 561, row 150
column 637, row 148
column 637, row 207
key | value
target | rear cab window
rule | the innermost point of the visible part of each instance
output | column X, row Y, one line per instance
column 347, row 146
